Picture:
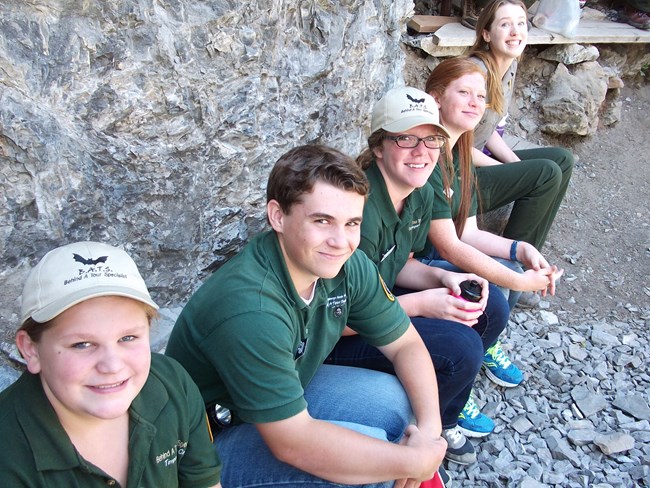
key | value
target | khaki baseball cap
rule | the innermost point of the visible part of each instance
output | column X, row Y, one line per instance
column 76, row 272
column 405, row 107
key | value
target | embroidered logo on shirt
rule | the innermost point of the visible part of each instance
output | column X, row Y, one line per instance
column 388, row 293
column 337, row 304
column 300, row 351
column 415, row 224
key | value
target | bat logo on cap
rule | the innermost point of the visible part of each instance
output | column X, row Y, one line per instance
column 415, row 100
column 82, row 260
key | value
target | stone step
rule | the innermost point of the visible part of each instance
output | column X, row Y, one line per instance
column 589, row 32
column 448, row 37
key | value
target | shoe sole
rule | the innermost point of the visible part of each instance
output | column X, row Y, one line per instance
column 528, row 305
column 473, row 434
column 499, row 381
column 459, row 460
column 527, row 300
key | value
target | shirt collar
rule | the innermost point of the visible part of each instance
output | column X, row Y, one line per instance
column 270, row 242
column 48, row 441
column 381, row 198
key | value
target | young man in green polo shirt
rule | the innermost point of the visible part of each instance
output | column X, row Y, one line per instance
column 255, row 335
column 95, row 408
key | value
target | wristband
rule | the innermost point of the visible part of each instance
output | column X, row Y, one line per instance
column 513, row 251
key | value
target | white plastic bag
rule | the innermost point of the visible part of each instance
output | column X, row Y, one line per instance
column 559, row 16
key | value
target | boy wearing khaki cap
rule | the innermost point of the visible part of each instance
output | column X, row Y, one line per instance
column 95, row 407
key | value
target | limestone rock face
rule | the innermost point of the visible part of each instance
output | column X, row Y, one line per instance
column 153, row 124
column 575, row 98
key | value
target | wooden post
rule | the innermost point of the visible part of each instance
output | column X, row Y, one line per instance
column 445, row 7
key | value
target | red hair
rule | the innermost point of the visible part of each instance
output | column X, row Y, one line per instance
column 439, row 79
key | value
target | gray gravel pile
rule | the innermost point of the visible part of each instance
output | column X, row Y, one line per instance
column 580, row 419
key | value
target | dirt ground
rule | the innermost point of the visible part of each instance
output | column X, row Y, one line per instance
column 601, row 235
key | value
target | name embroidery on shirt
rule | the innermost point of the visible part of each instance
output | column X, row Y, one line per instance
column 415, row 224
column 171, row 455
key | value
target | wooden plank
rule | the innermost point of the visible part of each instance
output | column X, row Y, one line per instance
column 454, row 34
column 593, row 32
column 429, row 23
column 588, row 32
column 429, row 47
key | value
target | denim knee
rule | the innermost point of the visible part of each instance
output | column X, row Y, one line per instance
column 512, row 296
column 360, row 396
column 453, row 346
column 456, row 352
column 249, row 463
column 495, row 318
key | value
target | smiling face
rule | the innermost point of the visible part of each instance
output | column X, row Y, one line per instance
column 318, row 234
column 93, row 360
column 508, row 33
column 462, row 103
column 405, row 169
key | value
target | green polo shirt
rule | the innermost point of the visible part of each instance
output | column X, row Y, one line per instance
column 251, row 343
column 388, row 238
column 442, row 207
column 169, row 442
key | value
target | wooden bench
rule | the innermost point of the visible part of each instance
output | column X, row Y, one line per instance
column 447, row 37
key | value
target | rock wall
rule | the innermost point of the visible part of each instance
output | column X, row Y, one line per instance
column 152, row 124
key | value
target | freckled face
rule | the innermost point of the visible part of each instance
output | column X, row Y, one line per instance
column 95, row 358
column 463, row 103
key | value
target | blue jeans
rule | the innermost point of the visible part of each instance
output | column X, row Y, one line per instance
column 434, row 259
column 366, row 401
column 456, row 352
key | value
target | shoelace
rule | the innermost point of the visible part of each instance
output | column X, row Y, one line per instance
column 471, row 408
column 499, row 356
column 453, row 436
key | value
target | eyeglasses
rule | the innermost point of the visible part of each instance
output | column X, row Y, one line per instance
column 408, row 141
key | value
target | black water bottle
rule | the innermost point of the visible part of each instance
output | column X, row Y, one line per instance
column 470, row 290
